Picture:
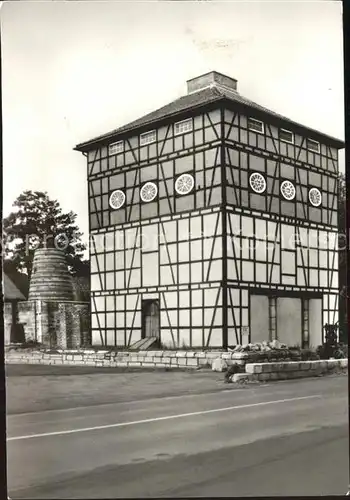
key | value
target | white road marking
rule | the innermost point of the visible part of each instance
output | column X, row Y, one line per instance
column 158, row 419
column 248, row 389
column 135, row 401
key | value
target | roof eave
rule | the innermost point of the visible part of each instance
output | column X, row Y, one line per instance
column 312, row 133
column 118, row 133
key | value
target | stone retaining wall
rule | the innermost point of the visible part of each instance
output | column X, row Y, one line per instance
column 170, row 359
column 293, row 369
column 176, row 359
column 173, row 359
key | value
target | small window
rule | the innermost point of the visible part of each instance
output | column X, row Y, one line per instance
column 315, row 197
column 313, row 145
column 117, row 199
column 257, row 182
column 255, row 125
column 286, row 136
column 116, row 147
column 288, row 190
column 148, row 192
column 184, row 126
column 147, row 138
column 184, row 184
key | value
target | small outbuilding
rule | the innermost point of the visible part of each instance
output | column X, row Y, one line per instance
column 15, row 289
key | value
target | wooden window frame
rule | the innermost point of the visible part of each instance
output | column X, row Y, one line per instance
column 262, row 131
column 289, row 132
column 115, row 144
column 143, row 137
column 308, row 141
column 180, row 132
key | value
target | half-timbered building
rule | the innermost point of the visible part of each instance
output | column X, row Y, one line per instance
column 213, row 222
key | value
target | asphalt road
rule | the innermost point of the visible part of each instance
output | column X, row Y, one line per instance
column 279, row 439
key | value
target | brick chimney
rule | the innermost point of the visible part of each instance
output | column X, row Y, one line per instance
column 213, row 78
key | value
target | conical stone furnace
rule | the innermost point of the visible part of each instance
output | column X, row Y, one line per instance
column 50, row 279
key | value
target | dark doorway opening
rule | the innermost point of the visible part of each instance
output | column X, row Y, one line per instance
column 17, row 331
column 150, row 318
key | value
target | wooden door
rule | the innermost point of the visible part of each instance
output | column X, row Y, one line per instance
column 259, row 318
column 315, row 323
column 289, row 325
column 150, row 318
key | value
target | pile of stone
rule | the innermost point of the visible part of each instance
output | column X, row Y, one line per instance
column 268, row 351
column 259, row 352
column 264, row 346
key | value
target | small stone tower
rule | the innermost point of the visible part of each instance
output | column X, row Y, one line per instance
column 50, row 279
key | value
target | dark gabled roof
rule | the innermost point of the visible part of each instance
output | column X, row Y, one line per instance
column 196, row 100
column 184, row 103
column 10, row 290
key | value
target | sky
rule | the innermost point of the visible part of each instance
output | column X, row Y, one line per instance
column 75, row 70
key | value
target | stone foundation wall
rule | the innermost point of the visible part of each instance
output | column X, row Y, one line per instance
column 79, row 322
column 25, row 315
column 53, row 324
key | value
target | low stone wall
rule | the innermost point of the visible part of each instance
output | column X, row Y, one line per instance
column 293, row 369
column 176, row 359
column 86, row 357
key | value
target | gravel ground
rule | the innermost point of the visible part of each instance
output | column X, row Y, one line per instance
column 31, row 388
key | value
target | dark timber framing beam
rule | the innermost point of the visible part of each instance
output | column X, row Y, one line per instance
column 224, row 231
